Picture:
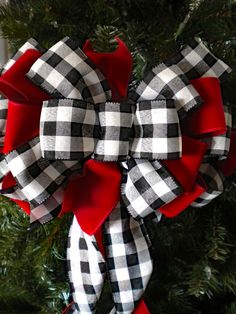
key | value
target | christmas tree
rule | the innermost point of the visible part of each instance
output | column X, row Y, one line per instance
column 194, row 253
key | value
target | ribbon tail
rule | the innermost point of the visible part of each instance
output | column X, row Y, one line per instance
column 86, row 268
column 129, row 262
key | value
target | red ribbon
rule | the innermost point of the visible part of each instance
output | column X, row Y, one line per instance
column 93, row 195
column 115, row 66
column 208, row 119
column 22, row 124
column 16, row 86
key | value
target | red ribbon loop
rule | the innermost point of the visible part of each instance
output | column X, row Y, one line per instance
column 208, row 119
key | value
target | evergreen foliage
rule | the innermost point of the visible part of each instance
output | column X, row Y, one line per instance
column 195, row 253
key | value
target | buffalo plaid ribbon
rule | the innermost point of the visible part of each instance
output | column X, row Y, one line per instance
column 218, row 146
column 196, row 60
column 64, row 71
column 73, row 129
column 214, row 180
column 128, row 263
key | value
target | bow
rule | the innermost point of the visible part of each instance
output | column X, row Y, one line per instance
column 142, row 135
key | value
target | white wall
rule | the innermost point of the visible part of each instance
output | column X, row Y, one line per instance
column 4, row 54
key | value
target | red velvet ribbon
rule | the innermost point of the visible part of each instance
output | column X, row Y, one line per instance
column 93, row 195
column 22, row 124
column 16, row 86
column 175, row 207
column 115, row 66
column 207, row 120
column 185, row 171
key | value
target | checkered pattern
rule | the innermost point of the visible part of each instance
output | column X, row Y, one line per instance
column 30, row 44
column 169, row 81
column 214, row 180
column 68, row 129
column 37, row 177
column 3, row 119
column 196, row 60
column 87, row 269
column 49, row 209
column 115, row 120
column 148, row 187
column 129, row 263
column 3, row 166
column 218, row 146
column 65, row 71
column 156, row 131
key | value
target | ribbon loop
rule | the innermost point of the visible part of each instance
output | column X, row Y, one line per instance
column 65, row 71
column 3, row 120
column 207, row 120
column 196, row 60
column 156, row 131
column 37, row 177
column 214, row 180
column 68, row 129
column 219, row 146
column 149, row 186
column 169, row 81
column 14, row 84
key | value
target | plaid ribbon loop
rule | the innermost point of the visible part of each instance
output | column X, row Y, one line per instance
column 218, row 146
column 214, row 181
column 169, row 81
column 146, row 187
column 74, row 129
column 64, row 71
column 196, row 60
column 37, row 177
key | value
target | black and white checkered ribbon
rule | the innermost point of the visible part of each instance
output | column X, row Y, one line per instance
column 146, row 187
column 214, row 180
column 196, row 60
column 169, row 81
column 72, row 129
column 3, row 119
column 128, row 263
column 218, row 146
column 64, row 71
column 38, row 178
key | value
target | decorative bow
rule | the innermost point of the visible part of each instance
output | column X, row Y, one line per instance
column 160, row 168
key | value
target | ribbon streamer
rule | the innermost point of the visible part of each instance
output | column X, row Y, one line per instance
column 128, row 263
